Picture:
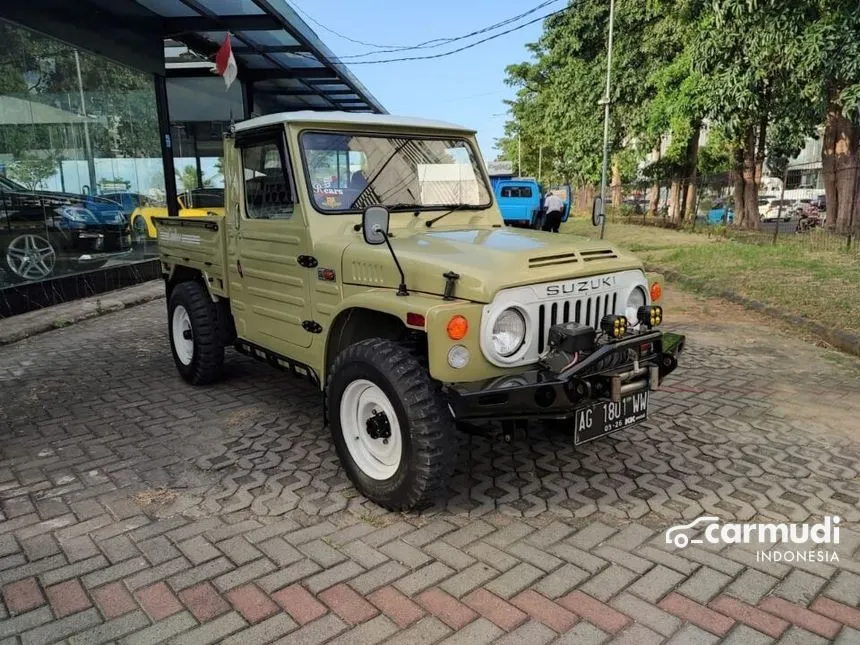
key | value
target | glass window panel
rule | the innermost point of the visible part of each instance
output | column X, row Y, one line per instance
column 232, row 7
column 215, row 36
column 297, row 60
column 330, row 86
column 268, row 37
column 257, row 61
column 281, row 83
column 168, row 8
column 80, row 157
column 268, row 194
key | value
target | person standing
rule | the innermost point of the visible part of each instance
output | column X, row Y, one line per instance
column 553, row 212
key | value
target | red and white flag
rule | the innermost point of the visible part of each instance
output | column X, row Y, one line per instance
column 225, row 63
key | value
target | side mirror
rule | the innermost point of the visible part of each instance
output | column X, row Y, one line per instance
column 374, row 224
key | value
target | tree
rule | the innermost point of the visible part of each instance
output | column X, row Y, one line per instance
column 748, row 56
column 31, row 170
column 829, row 56
column 120, row 102
column 188, row 179
column 558, row 93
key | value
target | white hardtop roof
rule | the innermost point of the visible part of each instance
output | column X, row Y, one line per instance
column 361, row 118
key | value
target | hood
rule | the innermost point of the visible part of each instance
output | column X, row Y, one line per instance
column 487, row 260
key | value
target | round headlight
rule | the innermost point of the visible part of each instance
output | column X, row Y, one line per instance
column 509, row 332
column 635, row 300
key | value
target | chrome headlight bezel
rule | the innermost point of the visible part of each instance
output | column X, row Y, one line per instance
column 509, row 311
column 638, row 297
column 488, row 344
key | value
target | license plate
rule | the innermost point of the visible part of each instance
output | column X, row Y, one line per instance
column 604, row 417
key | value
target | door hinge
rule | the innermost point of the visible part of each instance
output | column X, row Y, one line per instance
column 312, row 326
column 307, row 261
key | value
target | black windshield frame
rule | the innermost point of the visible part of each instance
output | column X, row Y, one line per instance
column 480, row 172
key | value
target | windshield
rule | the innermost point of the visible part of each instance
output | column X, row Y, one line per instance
column 349, row 172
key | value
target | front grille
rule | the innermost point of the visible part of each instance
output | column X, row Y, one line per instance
column 587, row 311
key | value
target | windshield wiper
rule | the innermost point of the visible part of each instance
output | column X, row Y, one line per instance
column 431, row 222
column 402, row 206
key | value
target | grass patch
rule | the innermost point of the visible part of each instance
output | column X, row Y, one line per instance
column 822, row 285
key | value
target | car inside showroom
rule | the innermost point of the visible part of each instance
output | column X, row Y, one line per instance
column 112, row 113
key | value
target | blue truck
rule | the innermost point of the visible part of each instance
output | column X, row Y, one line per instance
column 520, row 200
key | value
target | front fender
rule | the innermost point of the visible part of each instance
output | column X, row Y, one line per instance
column 437, row 312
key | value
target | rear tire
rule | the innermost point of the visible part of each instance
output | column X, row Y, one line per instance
column 196, row 340
column 410, row 464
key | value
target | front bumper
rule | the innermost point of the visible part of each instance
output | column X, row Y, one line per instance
column 608, row 373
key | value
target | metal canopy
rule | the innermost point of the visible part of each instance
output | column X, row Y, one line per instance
column 281, row 60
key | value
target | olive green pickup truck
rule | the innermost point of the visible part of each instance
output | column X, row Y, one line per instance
column 365, row 253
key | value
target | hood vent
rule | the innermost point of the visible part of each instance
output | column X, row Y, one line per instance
column 602, row 254
column 552, row 260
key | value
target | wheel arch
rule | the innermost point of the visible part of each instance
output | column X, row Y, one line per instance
column 357, row 323
column 179, row 274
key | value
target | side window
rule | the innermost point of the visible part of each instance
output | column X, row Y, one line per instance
column 516, row 191
column 268, row 192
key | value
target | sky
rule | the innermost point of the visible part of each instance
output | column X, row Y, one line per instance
column 466, row 88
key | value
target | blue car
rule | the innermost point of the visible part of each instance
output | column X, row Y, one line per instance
column 521, row 202
column 718, row 215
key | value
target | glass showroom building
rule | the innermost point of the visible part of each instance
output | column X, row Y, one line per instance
column 110, row 113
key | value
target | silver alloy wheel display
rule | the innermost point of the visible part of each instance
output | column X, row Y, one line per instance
column 31, row 257
column 183, row 336
column 371, row 429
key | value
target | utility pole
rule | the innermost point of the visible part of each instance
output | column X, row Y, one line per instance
column 519, row 157
column 540, row 162
column 605, row 102
column 91, row 162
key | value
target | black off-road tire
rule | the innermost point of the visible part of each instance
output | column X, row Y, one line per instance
column 428, row 432
column 208, row 354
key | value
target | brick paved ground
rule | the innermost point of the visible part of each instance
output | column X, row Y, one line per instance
column 137, row 509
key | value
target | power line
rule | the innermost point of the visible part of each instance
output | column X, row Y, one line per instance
column 442, row 54
column 340, row 35
column 440, row 42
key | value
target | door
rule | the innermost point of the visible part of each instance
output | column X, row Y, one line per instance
column 270, row 236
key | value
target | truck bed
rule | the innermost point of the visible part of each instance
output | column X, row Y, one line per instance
column 195, row 242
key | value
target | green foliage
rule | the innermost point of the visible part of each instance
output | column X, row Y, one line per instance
column 653, row 92
column 31, row 170
column 119, row 102
column 734, row 66
column 187, row 179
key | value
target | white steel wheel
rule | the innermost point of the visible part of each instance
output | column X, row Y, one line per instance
column 183, row 336
column 371, row 430
column 31, row 257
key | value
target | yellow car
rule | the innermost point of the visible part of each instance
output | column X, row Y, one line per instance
column 195, row 203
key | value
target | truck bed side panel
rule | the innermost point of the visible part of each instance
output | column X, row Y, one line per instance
column 198, row 243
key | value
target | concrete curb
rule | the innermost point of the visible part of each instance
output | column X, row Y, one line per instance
column 36, row 322
column 839, row 338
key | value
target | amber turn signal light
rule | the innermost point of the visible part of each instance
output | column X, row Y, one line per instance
column 458, row 327
column 656, row 292
column 614, row 326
